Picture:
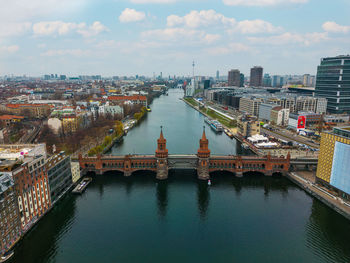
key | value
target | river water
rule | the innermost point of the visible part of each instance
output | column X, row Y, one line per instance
column 138, row 219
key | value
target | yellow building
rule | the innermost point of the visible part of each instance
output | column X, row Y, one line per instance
column 248, row 126
column 70, row 124
column 334, row 161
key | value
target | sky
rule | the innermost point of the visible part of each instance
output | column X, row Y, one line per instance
column 129, row 37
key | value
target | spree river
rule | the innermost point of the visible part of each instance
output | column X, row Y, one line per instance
column 138, row 219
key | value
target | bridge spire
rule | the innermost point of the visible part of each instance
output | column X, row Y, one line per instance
column 203, row 151
column 161, row 151
column 162, row 157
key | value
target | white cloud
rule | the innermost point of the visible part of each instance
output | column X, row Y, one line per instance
column 178, row 34
column 47, row 28
column 256, row 26
column 197, row 19
column 66, row 52
column 14, row 29
column 207, row 18
column 96, row 28
column 333, row 27
column 291, row 38
column 228, row 49
column 262, row 2
column 131, row 15
column 24, row 10
column 9, row 49
column 152, row 1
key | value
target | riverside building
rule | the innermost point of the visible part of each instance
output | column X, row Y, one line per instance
column 333, row 162
column 10, row 227
column 333, row 83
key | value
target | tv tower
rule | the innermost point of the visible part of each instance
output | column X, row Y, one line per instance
column 193, row 68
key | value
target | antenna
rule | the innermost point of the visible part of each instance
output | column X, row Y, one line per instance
column 193, row 68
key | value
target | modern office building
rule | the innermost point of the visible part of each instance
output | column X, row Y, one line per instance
column 265, row 111
column 10, row 226
column 234, row 78
column 250, row 105
column 256, row 76
column 333, row 83
column 333, row 162
column 59, row 175
column 241, row 84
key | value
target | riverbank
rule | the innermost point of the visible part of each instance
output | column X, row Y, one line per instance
column 192, row 103
column 307, row 183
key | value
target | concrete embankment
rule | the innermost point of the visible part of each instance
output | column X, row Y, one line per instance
column 236, row 136
column 321, row 194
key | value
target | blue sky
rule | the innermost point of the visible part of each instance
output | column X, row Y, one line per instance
column 128, row 37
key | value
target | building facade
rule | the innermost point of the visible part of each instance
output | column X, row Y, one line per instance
column 333, row 83
column 256, row 76
column 10, row 227
column 234, row 78
column 333, row 162
column 59, row 175
column 250, row 105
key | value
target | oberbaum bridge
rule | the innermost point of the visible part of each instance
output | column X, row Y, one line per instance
column 203, row 162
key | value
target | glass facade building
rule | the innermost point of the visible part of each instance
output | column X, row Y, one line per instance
column 333, row 83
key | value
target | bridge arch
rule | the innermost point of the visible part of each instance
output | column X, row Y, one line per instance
column 227, row 171
column 255, row 173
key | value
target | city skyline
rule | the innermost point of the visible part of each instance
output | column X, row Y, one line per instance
column 145, row 36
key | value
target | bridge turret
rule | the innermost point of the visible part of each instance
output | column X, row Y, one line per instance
column 203, row 151
column 162, row 157
column 203, row 157
column 162, row 151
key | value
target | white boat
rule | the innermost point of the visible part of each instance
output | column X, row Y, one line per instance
column 7, row 256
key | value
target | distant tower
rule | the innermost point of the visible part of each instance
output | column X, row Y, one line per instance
column 193, row 69
column 217, row 75
column 162, row 157
column 203, row 158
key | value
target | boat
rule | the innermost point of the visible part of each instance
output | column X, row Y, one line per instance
column 209, row 182
column 228, row 133
column 82, row 185
column 215, row 125
column 149, row 109
column 7, row 256
column 207, row 120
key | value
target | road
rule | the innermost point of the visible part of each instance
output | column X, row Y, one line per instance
column 288, row 136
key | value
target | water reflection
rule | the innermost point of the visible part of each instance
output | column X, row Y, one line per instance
column 162, row 198
column 203, row 198
column 41, row 244
column 328, row 233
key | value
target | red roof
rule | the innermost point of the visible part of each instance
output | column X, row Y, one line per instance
column 26, row 105
column 135, row 97
column 10, row 117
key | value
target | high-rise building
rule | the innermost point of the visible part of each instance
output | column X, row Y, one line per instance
column 234, row 78
column 333, row 83
column 241, row 84
column 256, row 76
column 267, row 80
column 217, row 74
column 333, row 161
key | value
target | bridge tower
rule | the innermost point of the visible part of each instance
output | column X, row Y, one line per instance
column 203, row 158
column 162, row 157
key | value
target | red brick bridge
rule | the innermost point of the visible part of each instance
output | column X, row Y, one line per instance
column 203, row 162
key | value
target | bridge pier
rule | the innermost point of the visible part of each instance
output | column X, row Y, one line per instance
column 239, row 174
column 203, row 169
column 127, row 173
column 162, row 169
